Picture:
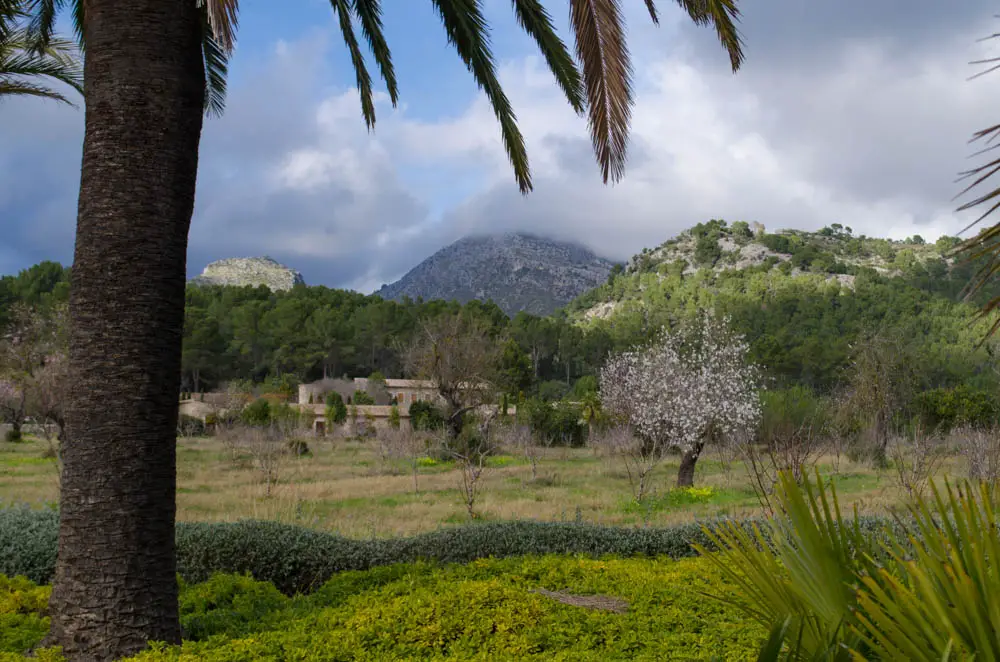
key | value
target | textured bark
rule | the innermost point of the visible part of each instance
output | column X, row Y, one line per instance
column 115, row 586
column 685, row 473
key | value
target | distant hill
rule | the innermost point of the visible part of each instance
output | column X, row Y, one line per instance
column 517, row 271
column 716, row 257
column 254, row 271
column 802, row 299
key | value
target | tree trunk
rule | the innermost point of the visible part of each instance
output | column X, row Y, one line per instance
column 115, row 586
column 685, row 474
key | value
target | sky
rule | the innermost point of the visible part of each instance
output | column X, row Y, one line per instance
column 846, row 111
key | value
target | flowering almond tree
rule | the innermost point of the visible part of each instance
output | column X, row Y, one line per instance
column 685, row 388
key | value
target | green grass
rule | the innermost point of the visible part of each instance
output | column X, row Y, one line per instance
column 486, row 610
column 346, row 487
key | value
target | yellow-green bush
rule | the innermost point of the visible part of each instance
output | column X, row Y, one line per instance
column 488, row 609
column 22, row 623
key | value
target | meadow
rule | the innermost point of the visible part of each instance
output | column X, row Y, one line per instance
column 347, row 487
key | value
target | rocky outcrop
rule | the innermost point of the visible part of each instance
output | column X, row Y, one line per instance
column 517, row 271
column 253, row 271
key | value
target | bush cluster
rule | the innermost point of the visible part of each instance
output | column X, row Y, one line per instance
column 556, row 424
column 491, row 609
column 425, row 416
column 945, row 408
column 298, row 560
column 190, row 426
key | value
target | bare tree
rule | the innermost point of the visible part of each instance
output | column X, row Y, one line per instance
column 520, row 438
column 915, row 457
column 880, row 380
column 471, row 451
column 639, row 457
column 684, row 389
column 981, row 448
column 461, row 356
column 793, row 432
column 267, row 446
column 408, row 445
column 30, row 339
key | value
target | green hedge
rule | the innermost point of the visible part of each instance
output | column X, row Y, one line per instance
column 297, row 559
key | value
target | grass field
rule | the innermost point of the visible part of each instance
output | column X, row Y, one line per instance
column 345, row 488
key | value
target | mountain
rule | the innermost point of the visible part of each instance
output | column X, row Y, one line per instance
column 253, row 271
column 802, row 299
column 717, row 257
column 517, row 271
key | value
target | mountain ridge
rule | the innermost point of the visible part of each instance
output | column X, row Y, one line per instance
column 516, row 270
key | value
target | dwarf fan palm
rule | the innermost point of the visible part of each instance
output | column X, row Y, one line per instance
column 151, row 68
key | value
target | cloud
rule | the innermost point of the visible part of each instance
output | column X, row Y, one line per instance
column 844, row 112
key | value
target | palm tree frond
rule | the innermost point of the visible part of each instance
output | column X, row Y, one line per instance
column 41, row 22
column 607, row 73
column 537, row 23
column 369, row 13
column 468, row 32
column 223, row 18
column 364, row 78
column 653, row 14
column 723, row 15
column 78, row 23
column 216, row 73
column 16, row 88
column 57, row 60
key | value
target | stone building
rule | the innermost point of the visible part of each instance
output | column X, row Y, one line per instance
column 405, row 391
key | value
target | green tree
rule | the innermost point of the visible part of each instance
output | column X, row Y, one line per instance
column 515, row 374
column 203, row 346
column 117, row 538
column 336, row 410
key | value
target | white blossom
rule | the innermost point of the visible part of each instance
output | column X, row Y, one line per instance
column 684, row 385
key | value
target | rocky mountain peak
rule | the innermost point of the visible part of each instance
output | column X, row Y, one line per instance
column 518, row 271
column 253, row 271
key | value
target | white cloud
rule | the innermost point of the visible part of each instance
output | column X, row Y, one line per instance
column 857, row 122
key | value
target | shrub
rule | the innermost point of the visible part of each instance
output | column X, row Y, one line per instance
column 394, row 417
column 298, row 559
column 551, row 390
column 515, row 609
column 425, row 416
column 22, row 604
column 12, row 436
column 298, row 447
column 556, row 424
column 284, row 414
column 707, row 250
column 257, row 413
column 363, row 398
column 778, row 243
column 336, row 410
column 945, row 408
column 190, row 426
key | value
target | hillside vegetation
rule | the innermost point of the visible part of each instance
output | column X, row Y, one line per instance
column 802, row 299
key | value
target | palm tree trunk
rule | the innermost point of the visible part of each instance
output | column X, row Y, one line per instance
column 115, row 586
